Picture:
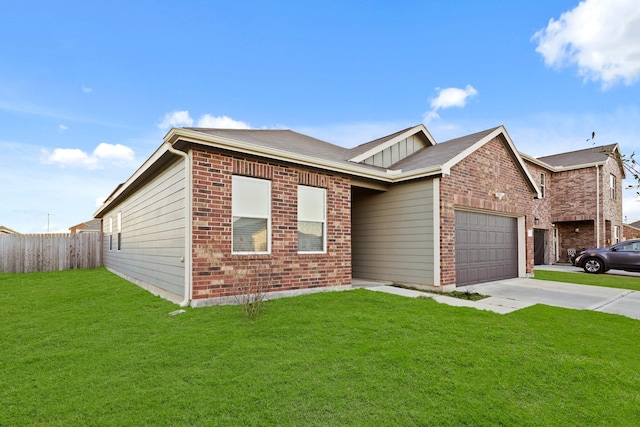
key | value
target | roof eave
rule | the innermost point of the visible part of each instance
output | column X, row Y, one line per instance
column 195, row 137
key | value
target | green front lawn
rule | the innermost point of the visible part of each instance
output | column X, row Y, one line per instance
column 606, row 279
column 87, row 348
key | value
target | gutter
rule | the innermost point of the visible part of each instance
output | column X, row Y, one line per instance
column 194, row 137
column 597, row 206
column 186, row 259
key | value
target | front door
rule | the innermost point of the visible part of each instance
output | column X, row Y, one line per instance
column 539, row 246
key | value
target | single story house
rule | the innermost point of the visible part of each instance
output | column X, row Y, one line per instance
column 213, row 211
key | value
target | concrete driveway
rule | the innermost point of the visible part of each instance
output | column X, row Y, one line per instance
column 513, row 294
column 519, row 293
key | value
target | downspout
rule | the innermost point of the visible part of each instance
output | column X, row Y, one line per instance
column 188, row 217
column 597, row 206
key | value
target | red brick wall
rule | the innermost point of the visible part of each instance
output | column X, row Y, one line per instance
column 577, row 200
column 218, row 273
column 541, row 211
column 569, row 238
column 611, row 208
column 473, row 183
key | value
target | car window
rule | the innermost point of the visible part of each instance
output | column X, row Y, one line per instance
column 628, row 246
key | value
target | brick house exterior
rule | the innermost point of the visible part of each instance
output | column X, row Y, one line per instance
column 582, row 202
column 284, row 268
column 473, row 184
column 389, row 208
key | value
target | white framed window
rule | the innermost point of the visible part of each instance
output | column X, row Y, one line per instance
column 110, row 233
column 543, row 183
column 612, row 186
column 251, row 211
column 616, row 234
column 119, row 229
column 312, row 219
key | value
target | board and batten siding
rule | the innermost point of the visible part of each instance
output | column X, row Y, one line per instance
column 393, row 234
column 153, row 234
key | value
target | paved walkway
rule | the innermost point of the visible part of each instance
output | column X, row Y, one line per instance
column 513, row 294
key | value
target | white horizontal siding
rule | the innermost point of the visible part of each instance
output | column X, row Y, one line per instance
column 392, row 234
column 153, row 231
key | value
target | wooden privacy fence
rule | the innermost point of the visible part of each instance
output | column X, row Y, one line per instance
column 23, row 253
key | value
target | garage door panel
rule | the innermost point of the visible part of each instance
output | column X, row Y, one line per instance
column 486, row 247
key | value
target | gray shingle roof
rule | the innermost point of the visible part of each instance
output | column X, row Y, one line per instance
column 286, row 140
column 579, row 157
column 440, row 154
column 300, row 144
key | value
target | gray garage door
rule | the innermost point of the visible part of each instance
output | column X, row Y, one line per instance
column 486, row 248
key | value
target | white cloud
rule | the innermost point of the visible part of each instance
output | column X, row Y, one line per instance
column 114, row 152
column 62, row 128
column 221, row 122
column 117, row 155
column 86, row 89
column 69, row 157
column 600, row 37
column 176, row 119
column 183, row 119
column 447, row 98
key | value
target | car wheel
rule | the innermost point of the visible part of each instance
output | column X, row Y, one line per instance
column 593, row 265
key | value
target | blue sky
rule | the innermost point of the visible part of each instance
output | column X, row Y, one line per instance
column 88, row 89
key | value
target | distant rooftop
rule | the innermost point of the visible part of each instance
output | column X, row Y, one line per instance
column 579, row 157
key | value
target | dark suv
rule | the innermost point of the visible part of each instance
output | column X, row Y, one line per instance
column 621, row 256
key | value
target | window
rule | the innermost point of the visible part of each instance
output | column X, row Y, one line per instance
column 312, row 219
column 110, row 233
column 542, row 183
column 119, row 228
column 251, row 211
column 612, row 186
column 616, row 234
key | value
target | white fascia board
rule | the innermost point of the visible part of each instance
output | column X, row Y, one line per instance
column 160, row 151
column 383, row 146
column 583, row 166
column 499, row 130
column 216, row 141
column 523, row 167
column 537, row 162
column 559, row 168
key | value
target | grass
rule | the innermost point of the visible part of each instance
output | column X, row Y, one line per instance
column 87, row 348
column 606, row 280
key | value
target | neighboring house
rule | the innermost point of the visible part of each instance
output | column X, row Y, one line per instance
column 631, row 231
column 581, row 203
column 7, row 230
column 214, row 209
column 91, row 226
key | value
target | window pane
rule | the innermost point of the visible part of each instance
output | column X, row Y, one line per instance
column 311, row 203
column 250, row 197
column 310, row 236
column 249, row 234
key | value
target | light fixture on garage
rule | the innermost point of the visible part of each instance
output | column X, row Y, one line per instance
column 577, row 230
column 499, row 195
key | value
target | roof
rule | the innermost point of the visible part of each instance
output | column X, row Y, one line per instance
column 580, row 157
column 282, row 139
column 442, row 153
column 285, row 145
column 91, row 225
column 7, row 230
